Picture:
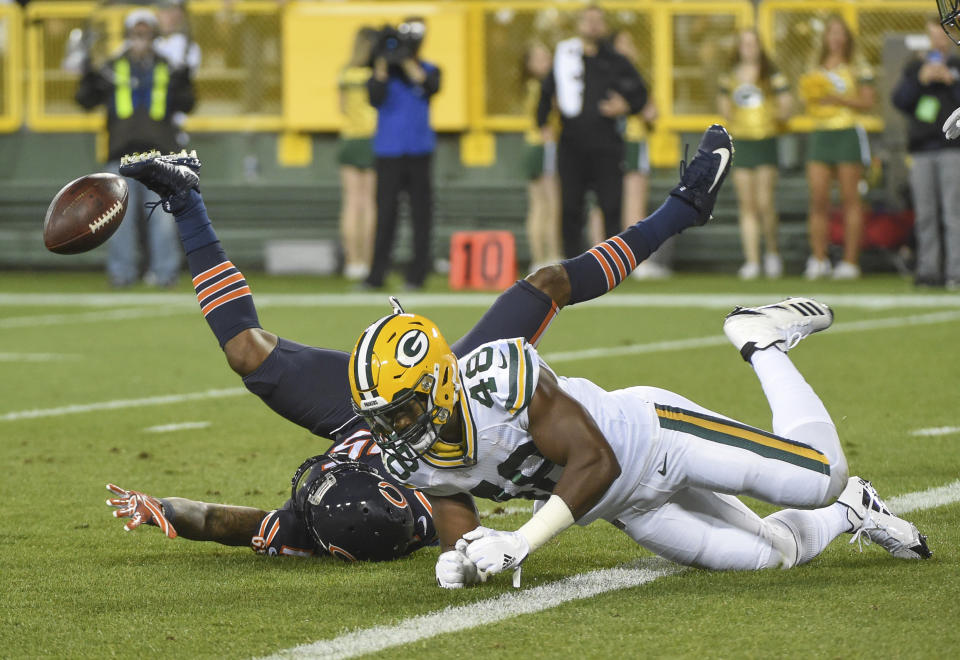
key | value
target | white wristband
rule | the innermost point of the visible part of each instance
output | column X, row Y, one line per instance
column 552, row 518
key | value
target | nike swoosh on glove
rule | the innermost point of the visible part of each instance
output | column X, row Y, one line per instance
column 950, row 127
column 140, row 508
column 455, row 570
column 494, row 551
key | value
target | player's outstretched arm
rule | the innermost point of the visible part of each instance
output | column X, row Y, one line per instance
column 565, row 434
column 176, row 516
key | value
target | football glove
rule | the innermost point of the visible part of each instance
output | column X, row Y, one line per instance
column 140, row 508
column 494, row 551
column 951, row 127
column 455, row 570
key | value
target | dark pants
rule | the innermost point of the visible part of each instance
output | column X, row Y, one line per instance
column 583, row 168
column 394, row 175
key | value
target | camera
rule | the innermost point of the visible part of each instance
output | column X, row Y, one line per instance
column 396, row 44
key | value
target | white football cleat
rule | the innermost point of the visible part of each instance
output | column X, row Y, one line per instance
column 869, row 516
column 781, row 324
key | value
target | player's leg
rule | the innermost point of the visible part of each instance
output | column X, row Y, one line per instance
column 763, row 335
column 225, row 299
column 604, row 266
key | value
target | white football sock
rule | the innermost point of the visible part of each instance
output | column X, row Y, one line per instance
column 813, row 530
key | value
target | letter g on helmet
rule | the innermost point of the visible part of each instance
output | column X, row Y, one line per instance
column 403, row 369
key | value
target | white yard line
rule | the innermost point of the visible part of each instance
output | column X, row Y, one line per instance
column 87, row 317
column 528, row 601
column 567, row 356
column 720, row 340
column 464, row 617
column 38, row 357
column 179, row 426
column 938, row 430
column 117, row 404
column 617, row 299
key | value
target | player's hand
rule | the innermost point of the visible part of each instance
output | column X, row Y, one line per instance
column 140, row 508
column 494, row 551
column 951, row 127
column 455, row 570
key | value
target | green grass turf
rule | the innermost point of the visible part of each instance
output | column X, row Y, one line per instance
column 76, row 585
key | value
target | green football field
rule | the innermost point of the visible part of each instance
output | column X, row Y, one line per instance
column 131, row 388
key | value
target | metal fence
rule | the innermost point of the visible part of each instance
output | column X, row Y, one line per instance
column 269, row 66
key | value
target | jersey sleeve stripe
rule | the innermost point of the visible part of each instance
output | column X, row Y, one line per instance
column 513, row 387
column 615, row 260
column 622, row 244
column 607, row 272
column 203, row 294
column 233, row 295
column 211, row 272
column 733, row 434
column 523, row 380
column 423, row 500
column 273, row 532
column 552, row 314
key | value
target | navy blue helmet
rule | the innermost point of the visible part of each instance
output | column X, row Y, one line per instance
column 351, row 511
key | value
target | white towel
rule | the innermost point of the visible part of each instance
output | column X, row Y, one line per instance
column 568, row 74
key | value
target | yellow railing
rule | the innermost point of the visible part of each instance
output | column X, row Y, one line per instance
column 11, row 68
column 273, row 67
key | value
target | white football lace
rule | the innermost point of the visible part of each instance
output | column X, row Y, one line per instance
column 871, row 525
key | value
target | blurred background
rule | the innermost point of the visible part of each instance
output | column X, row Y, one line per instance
column 267, row 112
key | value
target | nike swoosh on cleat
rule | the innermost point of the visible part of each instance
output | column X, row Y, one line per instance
column 724, row 154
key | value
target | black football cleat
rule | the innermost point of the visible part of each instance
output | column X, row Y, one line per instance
column 701, row 179
column 171, row 176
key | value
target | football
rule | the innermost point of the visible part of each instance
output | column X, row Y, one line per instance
column 85, row 213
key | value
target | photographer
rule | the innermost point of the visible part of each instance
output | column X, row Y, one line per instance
column 400, row 88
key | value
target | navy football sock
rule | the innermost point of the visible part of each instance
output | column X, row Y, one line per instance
column 223, row 294
column 604, row 266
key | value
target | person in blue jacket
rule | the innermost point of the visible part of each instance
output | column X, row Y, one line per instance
column 400, row 88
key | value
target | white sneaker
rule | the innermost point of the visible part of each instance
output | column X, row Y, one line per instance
column 772, row 266
column 651, row 270
column 356, row 271
column 781, row 324
column 869, row 515
column 846, row 271
column 749, row 271
column 817, row 268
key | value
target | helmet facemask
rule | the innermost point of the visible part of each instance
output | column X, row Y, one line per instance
column 950, row 19
column 418, row 416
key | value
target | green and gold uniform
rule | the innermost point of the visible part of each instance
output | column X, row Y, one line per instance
column 837, row 136
column 754, row 122
column 359, row 119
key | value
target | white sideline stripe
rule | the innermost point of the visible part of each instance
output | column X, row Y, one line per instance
column 720, row 340
column 180, row 426
column 695, row 300
column 569, row 356
column 937, row 430
column 585, row 585
column 925, row 499
column 37, row 357
column 85, row 317
column 506, row 606
column 117, row 404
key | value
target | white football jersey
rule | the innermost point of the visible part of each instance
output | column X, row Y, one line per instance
column 501, row 461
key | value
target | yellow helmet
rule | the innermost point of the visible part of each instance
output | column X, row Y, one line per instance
column 404, row 383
